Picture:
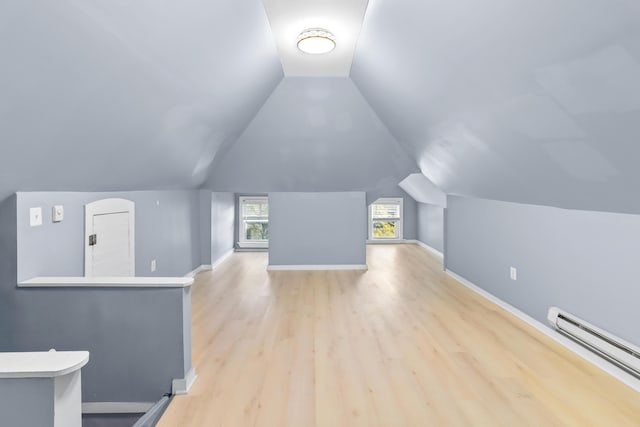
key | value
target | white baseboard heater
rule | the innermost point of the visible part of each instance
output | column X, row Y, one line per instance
column 617, row 351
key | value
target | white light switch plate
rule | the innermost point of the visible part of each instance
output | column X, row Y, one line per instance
column 153, row 265
column 58, row 213
column 35, row 217
column 513, row 273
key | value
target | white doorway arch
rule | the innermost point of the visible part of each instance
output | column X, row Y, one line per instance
column 109, row 238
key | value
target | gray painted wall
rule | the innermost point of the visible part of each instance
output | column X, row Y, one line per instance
column 135, row 336
column 8, row 272
column 223, row 219
column 27, row 402
column 186, row 333
column 583, row 262
column 317, row 228
column 409, row 218
column 431, row 225
column 204, row 231
column 167, row 229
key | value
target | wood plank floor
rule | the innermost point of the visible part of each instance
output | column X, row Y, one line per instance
column 402, row 344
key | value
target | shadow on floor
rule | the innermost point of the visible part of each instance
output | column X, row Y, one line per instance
column 110, row 420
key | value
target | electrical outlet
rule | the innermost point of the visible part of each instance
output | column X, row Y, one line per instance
column 153, row 265
column 513, row 273
column 35, row 217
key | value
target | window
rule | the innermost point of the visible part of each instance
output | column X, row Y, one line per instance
column 254, row 222
column 385, row 219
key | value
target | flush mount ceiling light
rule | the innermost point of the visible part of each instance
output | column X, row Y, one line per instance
column 316, row 41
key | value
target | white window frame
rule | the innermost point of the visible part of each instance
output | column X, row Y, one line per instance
column 242, row 241
column 399, row 225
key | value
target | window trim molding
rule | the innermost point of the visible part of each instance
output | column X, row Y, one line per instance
column 242, row 242
column 400, row 225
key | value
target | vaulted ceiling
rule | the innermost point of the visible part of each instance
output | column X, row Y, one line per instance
column 534, row 101
column 123, row 94
column 313, row 134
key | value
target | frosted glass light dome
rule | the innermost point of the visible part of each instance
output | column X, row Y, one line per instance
column 316, row 41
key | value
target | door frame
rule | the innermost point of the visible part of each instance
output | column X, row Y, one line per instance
column 106, row 207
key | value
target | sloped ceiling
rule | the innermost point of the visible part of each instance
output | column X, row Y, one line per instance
column 313, row 134
column 120, row 94
column 422, row 190
column 534, row 101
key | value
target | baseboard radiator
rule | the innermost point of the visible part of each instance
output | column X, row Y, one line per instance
column 617, row 351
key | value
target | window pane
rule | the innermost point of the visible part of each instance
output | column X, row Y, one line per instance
column 384, row 230
column 255, row 208
column 256, row 230
column 385, row 210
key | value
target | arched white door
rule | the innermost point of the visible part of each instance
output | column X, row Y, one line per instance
column 110, row 238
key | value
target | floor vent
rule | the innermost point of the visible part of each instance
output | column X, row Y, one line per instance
column 623, row 354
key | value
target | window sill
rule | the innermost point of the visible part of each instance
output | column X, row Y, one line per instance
column 253, row 245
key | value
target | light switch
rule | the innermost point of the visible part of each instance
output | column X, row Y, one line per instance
column 58, row 213
column 35, row 217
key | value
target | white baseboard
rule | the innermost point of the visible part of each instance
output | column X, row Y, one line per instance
column 587, row 355
column 222, row 258
column 317, row 267
column 183, row 385
column 207, row 267
column 427, row 247
column 151, row 417
column 388, row 242
column 194, row 273
column 116, row 407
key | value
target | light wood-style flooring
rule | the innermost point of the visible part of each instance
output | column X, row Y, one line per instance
column 402, row 344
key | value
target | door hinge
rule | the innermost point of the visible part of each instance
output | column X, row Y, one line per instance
column 93, row 240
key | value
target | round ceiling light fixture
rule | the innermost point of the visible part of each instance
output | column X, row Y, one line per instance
column 316, row 41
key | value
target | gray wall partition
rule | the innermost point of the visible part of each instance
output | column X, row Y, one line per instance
column 136, row 336
column 38, row 407
column 317, row 228
column 409, row 218
column 581, row 261
column 223, row 219
column 8, row 273
column 431, row 225
column 205, row 233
